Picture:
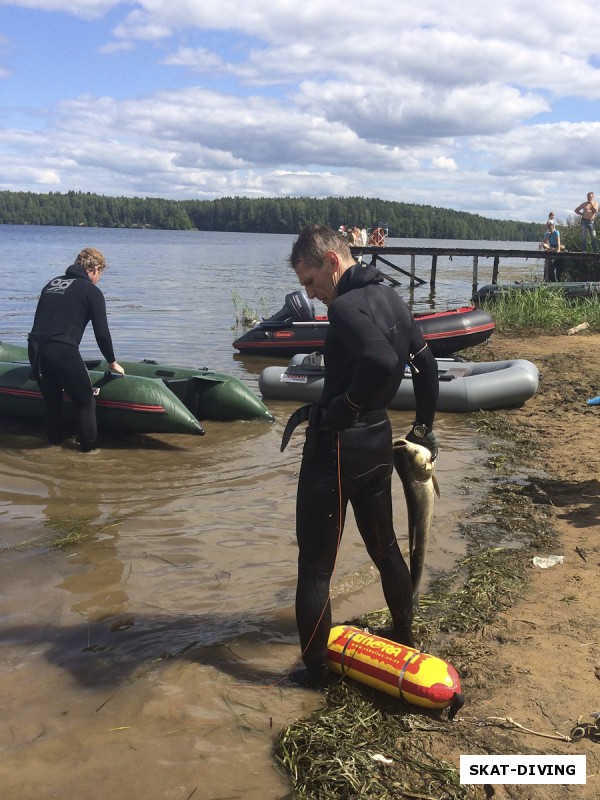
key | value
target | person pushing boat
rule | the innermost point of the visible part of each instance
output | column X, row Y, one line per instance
column 65, row 306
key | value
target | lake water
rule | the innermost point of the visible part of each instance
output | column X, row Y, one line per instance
column 145, row 658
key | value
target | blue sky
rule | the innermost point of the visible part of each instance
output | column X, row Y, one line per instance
column 492, row 109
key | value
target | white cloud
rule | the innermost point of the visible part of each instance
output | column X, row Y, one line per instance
column 81, row 8
column 444, row 163
column 549, row 149
column 16, row 173
column 197, row 58
column 457, row 106
column 413, row 111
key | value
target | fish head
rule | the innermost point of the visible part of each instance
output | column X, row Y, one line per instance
column 414, row 458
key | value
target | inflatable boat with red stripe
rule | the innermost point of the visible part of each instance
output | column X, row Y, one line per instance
column 151, row 398
column 130, row 403
column 296, row 329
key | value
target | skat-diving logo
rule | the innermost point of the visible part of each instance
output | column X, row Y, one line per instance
column 59, row 285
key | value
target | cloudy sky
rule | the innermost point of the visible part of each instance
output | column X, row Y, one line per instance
column 491, row 108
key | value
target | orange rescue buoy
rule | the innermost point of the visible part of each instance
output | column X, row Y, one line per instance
column 395, row 669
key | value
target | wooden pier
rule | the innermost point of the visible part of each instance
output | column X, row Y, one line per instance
column 382, row 255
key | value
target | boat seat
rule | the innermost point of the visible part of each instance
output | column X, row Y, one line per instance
column 308, row 361
column 454, row 372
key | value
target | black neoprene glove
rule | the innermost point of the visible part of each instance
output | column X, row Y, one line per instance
column 421, row 434
column 339, row 414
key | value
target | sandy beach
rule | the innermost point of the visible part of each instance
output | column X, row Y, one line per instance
column 524, row 639
column 538, row 663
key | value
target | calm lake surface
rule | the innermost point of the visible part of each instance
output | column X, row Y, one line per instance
column 143, row 657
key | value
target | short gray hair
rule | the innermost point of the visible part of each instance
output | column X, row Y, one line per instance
column 314, row 241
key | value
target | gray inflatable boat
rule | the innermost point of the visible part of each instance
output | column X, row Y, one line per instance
column 464, row 385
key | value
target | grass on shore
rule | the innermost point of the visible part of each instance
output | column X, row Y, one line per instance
column 330, row 754
column 542, row 310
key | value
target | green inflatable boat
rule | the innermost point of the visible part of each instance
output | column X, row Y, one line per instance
column 133, row 403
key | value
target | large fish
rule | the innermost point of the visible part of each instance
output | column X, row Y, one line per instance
column 414, row 465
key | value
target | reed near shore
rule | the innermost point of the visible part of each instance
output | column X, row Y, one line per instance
column 542, row 310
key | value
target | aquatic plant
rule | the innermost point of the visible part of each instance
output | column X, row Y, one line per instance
column 543, row 309
column 364, row 746
column 245, row 315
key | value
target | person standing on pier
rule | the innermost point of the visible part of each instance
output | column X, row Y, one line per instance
column 587, row 211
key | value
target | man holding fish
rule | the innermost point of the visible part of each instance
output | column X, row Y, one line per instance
column 348, row 455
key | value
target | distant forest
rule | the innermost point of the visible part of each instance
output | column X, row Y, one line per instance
column 249, row 215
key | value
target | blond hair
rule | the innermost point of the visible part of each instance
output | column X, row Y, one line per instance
column 90, row 258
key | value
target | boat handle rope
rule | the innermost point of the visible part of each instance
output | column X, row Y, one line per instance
column 411, row 358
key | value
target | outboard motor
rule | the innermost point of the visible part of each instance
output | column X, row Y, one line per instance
column 301, row 307
column 297, row 307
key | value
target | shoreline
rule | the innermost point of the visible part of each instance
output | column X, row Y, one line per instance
column 527, row 646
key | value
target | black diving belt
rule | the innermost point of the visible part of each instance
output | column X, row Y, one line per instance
column 312, row 414
column 308, row 413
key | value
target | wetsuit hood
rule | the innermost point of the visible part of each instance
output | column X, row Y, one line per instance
column 358, row 276
column 76, row 271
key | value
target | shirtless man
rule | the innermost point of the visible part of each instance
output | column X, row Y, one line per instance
column 587, row 211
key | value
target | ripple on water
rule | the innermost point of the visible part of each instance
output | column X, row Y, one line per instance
column 181, row 569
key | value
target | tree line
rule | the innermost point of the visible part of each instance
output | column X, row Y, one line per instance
column 256, row 215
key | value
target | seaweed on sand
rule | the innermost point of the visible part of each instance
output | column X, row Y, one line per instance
column 330, row 753
column 363, row 744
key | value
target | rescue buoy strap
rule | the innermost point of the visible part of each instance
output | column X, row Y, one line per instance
column 403, row 671
column 416, row 654
column 343, row 653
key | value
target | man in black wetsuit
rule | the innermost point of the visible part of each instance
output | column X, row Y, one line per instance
column 348, row 449
column 65, row 307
